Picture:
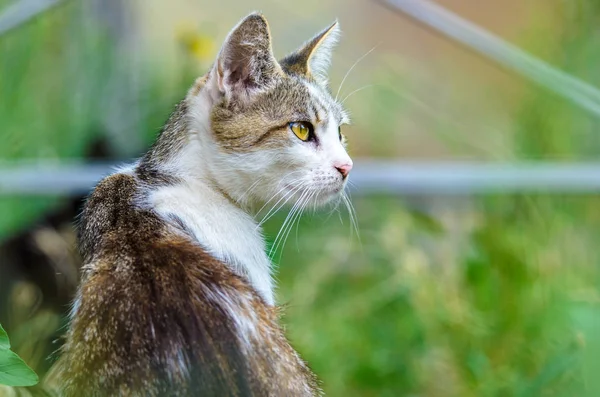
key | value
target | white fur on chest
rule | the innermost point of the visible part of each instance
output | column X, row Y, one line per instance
column 223, row 229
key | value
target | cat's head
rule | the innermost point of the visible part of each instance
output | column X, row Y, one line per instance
column 274, row 127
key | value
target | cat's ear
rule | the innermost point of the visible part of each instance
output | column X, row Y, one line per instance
column 245, row 64
column 312, row 60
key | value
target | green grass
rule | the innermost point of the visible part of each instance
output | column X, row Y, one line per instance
column 476, row 305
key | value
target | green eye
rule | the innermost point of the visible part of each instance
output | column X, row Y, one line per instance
column 302, row 130
column 340, row 133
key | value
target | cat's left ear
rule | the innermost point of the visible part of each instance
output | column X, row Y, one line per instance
column 312, row 60
column 246, row 65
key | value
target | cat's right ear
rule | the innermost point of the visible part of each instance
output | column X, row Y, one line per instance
column 314, row 57
column 245, row 64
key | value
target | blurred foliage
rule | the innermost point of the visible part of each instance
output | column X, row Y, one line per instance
column 40, row 115
column 487, row 296
column 60, row 78
column 491, row 301
column 547, row 127
column 13, row 370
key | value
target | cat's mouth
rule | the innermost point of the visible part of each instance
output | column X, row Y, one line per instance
column 328, row 193
column 316, row 194
column 334, row 192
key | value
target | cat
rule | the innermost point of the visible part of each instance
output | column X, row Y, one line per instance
column 176, row 296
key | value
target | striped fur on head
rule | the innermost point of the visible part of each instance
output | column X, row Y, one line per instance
column 245, row 107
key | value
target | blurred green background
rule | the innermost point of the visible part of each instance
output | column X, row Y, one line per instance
column 487, row 295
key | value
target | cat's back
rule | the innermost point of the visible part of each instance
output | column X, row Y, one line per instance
column 158, row 315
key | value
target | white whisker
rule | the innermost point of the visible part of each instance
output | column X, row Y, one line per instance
column 294, row 219
column 303, row 201
column 279, row 191
column 243, row 196
column 357, row 90
column 290, row 214
column 352, row 215
column 285, row 198
column 352, row 67
column 334, row 208
column 298, row 223
column 265, row 218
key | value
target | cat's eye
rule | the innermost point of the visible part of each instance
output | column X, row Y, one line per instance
column 302, row 130
column 340, row 133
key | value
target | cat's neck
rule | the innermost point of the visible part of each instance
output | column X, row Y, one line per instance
column 220, row 226
column 193, row 198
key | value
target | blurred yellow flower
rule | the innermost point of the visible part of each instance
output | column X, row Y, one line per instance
column 196, row 44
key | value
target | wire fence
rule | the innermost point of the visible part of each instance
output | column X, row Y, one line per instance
column 23, row 11
column 368, row 177
column 494, row 48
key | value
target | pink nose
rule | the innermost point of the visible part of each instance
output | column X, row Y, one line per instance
column 344, row 169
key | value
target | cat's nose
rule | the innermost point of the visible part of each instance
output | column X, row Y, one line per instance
column 344, row 169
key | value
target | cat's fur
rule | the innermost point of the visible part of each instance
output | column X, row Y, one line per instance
column 176, row 296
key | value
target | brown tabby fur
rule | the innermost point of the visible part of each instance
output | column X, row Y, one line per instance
column 148, row 297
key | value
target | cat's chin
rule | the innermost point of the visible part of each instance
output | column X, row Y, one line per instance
column 319, row 198
column 328, row 196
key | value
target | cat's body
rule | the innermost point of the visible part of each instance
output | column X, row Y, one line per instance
column 176, row 296
column 159, row 315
